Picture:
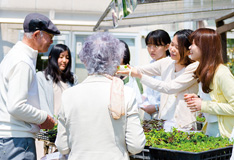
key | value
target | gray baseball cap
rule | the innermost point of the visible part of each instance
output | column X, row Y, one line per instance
column 37, row 21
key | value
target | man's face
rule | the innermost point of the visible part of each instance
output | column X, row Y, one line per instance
column 44, row 41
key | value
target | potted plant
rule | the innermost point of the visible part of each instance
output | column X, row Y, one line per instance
column 200, row 121
column 52, row 133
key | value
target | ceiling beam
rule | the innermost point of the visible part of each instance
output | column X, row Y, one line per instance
column 141, row 15
column 225, row 17
column 146, row 24
column 103, row 16
column 225, row 28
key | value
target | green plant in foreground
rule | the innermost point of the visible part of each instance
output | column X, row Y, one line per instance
column 148, row 125
column 200, row 118
column 184, row 141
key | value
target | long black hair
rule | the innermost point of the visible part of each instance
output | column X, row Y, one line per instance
column 158, row 37
column 53, row 69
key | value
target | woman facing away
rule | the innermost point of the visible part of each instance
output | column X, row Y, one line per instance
column 216, row 87
column 177, row 79
column 157, row 43
column 55, row 79
column 99, row 117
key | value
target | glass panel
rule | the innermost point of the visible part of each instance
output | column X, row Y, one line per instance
column 80, row 69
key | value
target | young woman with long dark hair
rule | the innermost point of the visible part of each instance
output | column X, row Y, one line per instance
column 55, row 79
column 216, row 87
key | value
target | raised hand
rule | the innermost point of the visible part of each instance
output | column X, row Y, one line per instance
column 131, row 71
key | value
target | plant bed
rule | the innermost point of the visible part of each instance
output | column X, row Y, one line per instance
column 148, row 125
column 167, row 154
column 157, row 124
column 179, row 145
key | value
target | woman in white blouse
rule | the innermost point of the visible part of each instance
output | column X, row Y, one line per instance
column 177, row 79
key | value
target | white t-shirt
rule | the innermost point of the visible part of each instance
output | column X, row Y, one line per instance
column 210, row 118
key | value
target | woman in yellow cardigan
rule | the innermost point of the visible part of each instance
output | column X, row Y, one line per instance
column 216, row 84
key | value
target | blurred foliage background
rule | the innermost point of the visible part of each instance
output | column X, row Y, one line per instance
column 230, row 53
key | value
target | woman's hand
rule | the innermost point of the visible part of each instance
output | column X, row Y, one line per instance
column 188, row 97
column 193, row 102
column 133, row 71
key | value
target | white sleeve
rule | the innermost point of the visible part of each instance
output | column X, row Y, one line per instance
column 62, row 138
column 20, row 80
column 182, row 82
column 43, row 93
column 152, row 69
column 135, row 138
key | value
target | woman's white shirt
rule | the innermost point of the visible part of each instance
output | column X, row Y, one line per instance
column 58, row 90
column 210, row 118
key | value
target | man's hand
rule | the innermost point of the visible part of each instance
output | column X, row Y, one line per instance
column 150, row 109
column 48, row 124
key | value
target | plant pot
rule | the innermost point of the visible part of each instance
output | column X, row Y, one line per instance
column 167, row 154
column 142, row 155
column 199, row 125
column 52, row 135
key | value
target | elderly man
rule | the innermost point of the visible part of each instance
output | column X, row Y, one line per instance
column 20, row 114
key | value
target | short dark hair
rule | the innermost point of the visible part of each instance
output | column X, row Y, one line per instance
column 53, row 69
column 158, row 37
column 126, row 57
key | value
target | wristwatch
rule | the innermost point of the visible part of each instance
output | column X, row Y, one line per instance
column 156, row 108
